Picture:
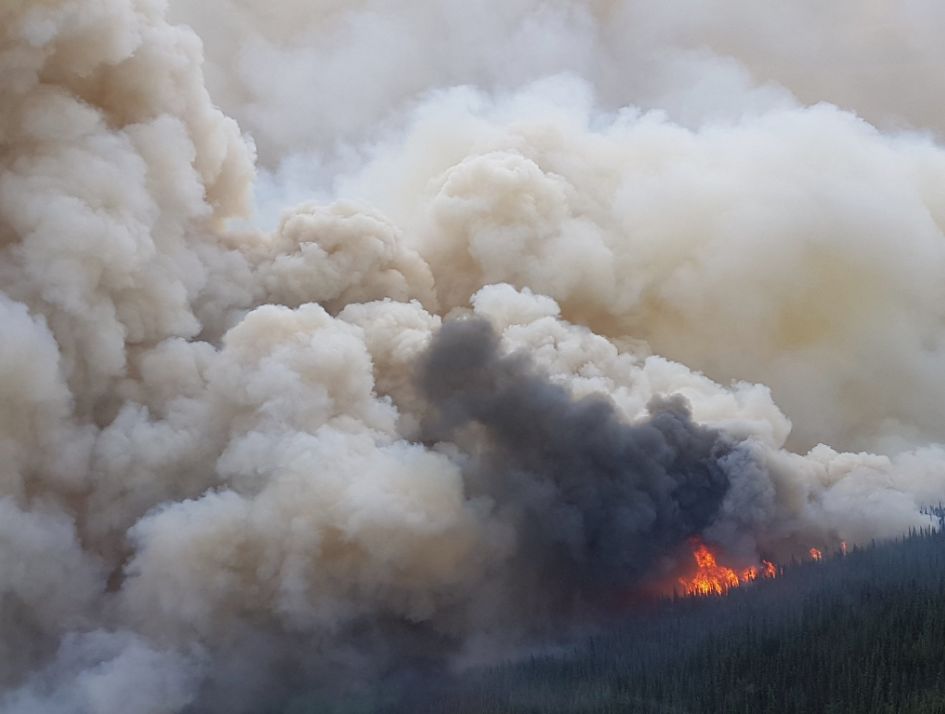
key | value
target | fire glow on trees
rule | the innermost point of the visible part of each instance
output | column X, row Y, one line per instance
column 711, row 578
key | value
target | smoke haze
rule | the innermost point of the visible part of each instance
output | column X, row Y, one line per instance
column 336, row 334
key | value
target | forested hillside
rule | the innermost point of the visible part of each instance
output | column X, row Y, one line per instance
column 860, row 633
column 863, row 632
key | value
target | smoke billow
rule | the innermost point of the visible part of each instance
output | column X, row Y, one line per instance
column 548, row 293
column 593, row 500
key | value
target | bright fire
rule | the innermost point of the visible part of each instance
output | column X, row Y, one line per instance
column 770, row 569
column 714, row 579
column 710, row 578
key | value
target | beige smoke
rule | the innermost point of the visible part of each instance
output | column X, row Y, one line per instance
column 801, row 249
column 207, row 429
column 351, row 66
column 840, row 231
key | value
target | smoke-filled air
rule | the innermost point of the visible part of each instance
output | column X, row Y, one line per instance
column 343, row 336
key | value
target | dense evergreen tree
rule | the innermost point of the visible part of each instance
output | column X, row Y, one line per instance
column 863, row 632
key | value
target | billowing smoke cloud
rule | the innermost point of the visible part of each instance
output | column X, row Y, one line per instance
column 235, row 462
column 592, row 500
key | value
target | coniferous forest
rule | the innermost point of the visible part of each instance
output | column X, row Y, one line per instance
column 861, row 632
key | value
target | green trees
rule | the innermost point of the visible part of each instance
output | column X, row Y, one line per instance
column 861, row 633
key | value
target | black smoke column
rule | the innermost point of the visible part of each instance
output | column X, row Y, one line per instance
column 593, row 499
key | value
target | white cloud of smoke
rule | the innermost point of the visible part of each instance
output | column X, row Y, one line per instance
column 214, row 448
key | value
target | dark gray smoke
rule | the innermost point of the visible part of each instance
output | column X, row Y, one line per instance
column 593, row 500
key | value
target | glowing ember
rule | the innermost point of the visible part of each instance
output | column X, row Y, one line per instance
column 815, row 554
column 714, row 579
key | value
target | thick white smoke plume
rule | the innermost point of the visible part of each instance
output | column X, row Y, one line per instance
column 217, row 476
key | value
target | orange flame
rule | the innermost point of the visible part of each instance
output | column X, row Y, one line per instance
column 714, row 579
column 770, row 569
column 711, row 578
